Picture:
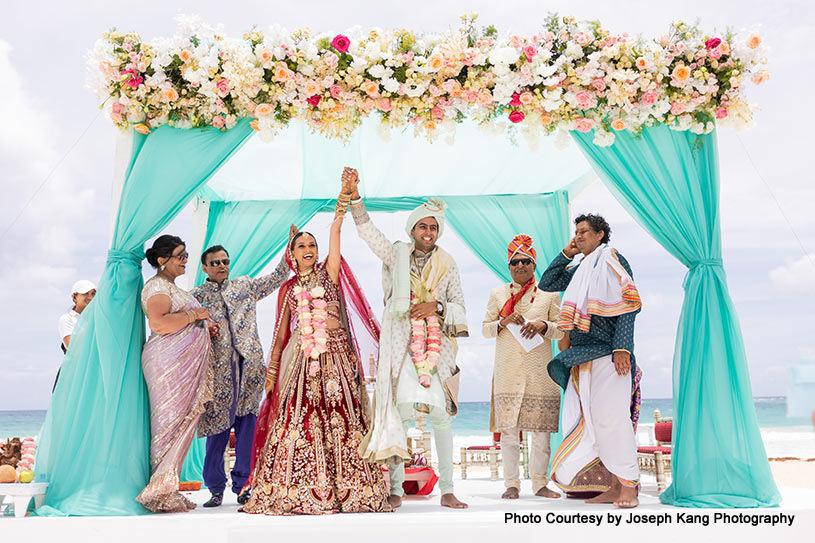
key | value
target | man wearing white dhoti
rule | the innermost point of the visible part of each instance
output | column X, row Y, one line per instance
column 598, row 309
column 424, row 313
column 524, row 397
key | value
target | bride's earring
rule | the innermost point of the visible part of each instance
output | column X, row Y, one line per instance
column 162, row 267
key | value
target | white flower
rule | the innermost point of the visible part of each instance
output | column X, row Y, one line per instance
column 391, row 85
column 504, row 55
column 379, row 71
column 317, row 292
column 546, row 70
column 306, row 69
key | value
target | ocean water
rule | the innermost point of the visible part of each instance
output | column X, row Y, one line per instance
column 473, row 417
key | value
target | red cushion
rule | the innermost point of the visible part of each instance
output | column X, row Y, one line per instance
column 662, row 431
column 652, row 450
column 483, row 447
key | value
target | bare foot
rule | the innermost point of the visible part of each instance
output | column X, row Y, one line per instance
column 510, row 494
column 546, row 493
column 395, row 500
column 627, row 498
column 606, row 497
column 449, row 500
column 610, row 495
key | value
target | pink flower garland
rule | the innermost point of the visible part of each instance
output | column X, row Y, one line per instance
column 425, row 346
column 312, row 319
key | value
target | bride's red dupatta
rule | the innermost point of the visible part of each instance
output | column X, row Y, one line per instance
column 354, row 305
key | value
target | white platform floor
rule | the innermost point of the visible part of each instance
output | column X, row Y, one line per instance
column 423, row 520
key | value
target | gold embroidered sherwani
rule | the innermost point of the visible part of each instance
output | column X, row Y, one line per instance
column 523, row 394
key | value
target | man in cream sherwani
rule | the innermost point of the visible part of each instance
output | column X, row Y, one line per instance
column 422, row 291
column 524, row 397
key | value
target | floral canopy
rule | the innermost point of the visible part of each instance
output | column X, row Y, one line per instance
column 570, row 75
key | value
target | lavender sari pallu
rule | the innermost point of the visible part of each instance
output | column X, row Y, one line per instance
column 177, row 370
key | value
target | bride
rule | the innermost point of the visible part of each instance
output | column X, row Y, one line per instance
column 305, row 457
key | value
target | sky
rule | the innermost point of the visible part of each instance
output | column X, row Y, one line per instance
column 51, row 128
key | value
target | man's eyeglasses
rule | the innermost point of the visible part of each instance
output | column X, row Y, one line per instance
column 182, row 256
column 224, row 261
column 524, row 261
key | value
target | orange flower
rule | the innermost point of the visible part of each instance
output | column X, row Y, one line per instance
column 526, row 97
column 681, row 72
column 185, row 55
column 435, row 62
column 170, row 94
column 263, row 109
column 429, row 126
column 141, row 128
column 618, row 124
column 642, row 63
column 760, row 77
column 254, row 125
column 282, row 72
column 546, row 118
column 370, row 88
column 312, row 87
column 724, row 48
column 753, row 41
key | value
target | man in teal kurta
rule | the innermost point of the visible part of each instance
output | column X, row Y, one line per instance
column 598, row 309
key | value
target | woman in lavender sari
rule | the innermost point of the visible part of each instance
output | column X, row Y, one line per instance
column 176, row 366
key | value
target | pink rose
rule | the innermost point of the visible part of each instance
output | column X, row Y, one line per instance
column 599, row 84
column 712, row 43
column 335, row 90
column 331, row 59
column 313, row 100
column 313, row 368
column 437, row 112
column 434, row 91
column 721, row 113
column 517, row 116
column 530, row 52
column 526, row 97
column 384, row 104
column 471, row 95
column 116, row 107
column 222, row 87
column 585, row 99
column 649, row 98
column 131, row 78
column 341, row 43
column 678, row 108
column 582, row 39
column 516, row 100
column 583, row 125
column 218, row 121
column 715, row 54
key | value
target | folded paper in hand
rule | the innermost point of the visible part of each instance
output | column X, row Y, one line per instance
column 527, row 344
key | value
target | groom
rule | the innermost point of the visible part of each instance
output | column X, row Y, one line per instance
column 424, row 312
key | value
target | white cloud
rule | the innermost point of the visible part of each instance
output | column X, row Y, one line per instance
column 796, row 277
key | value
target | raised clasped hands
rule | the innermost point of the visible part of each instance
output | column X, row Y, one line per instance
column 350, row 182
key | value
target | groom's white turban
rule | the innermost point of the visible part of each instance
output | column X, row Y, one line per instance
column 434, row 207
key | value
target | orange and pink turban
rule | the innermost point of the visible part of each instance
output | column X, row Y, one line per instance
column 521, row 244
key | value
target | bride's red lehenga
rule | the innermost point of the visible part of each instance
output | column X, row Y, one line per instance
column 305, row 453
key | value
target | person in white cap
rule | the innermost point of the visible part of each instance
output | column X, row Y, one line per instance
column 424, row 313
column 82, row 293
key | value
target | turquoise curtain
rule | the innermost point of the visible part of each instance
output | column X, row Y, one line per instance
column 193, row 467
column 488, row 223
column 254, row 231
column 669, row 181
column 95, row 444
